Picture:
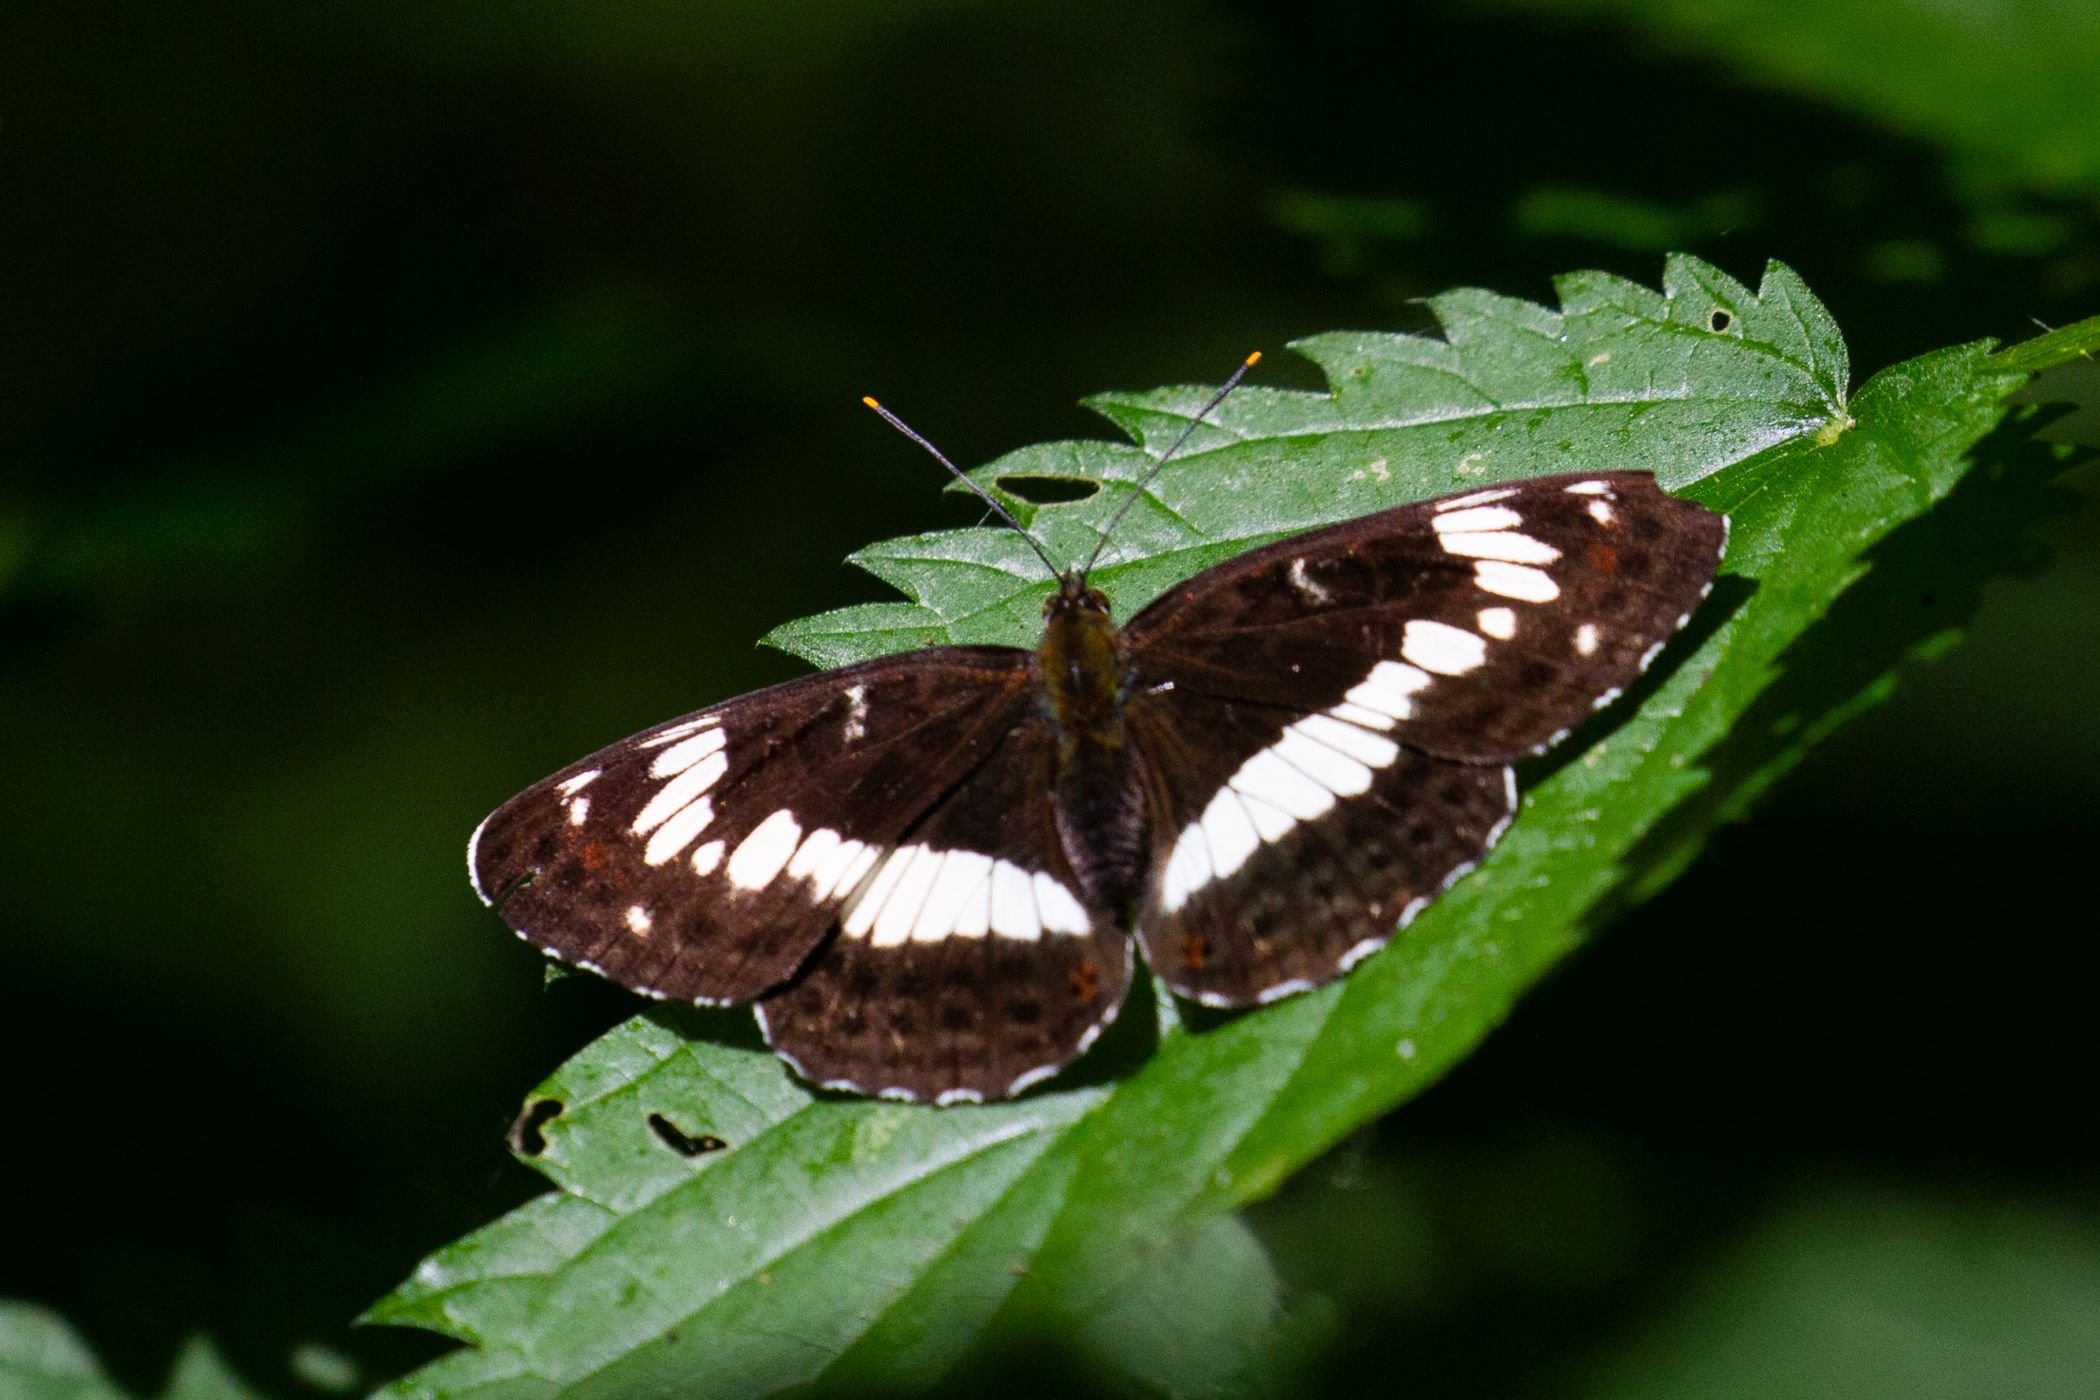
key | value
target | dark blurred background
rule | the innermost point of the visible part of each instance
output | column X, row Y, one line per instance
column 399, row 400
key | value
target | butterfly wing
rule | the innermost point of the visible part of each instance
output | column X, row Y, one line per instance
column 1325, row 721
column 1286, row 847
column 705, row 859
column 970, row 965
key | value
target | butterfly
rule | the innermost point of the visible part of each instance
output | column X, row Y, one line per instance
column 926, row 870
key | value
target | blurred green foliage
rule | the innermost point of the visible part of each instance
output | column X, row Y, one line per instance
column 41, row 1358
column 397, row 401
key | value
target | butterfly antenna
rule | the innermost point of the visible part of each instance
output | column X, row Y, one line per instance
column 989, row 499
column 1144, row 481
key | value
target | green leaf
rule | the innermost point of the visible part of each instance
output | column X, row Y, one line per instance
column 42, row 1358
column 851, row 1244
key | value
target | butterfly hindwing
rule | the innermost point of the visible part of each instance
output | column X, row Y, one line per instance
column 1285, row 849
column 704, row 860
column 1325, row 722
column 969, row 965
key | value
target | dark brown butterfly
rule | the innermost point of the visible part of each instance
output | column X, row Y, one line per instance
column 926, row 869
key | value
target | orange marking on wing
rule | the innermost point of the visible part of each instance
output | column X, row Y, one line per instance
column 1195, row 950
column 1086, row 984
column 1604, row 559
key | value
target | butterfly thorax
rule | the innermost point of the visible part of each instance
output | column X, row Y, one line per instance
column 1100, row 805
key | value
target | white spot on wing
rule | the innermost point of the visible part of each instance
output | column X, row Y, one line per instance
column 678, row 833
column 1475, row 518
column 1518, row 581
column 1230, row 833
column 1501, row 544
column 1283, row 989
column 1267, row 778
column 1477, row 498
column 1601, row 512
column 672, row 733
column 893, row 925
column 1588, row 488
column 959, row 886
column 817, row 848
column 1270, row 823
column 1499, row 623
column 638, row 921
column 1374, row 750
column 1312, row 592
column 1386, row 690
column 1188, row 868
column 569, row 787
column 1363, row 950
column 1586, row 639
column 760, row 856
column 1055, row 905
column 1442, row 648
column 707, row 858
column 856, row 712
column 1013, row 903
column 1296, row 779
column 922, row 895
column 1337, row 772
column 579, row 810
column 842, row 876
column 1029, row 1079
column 685, row 753
column 674, row 796
column 861, row 916
column 974, row 919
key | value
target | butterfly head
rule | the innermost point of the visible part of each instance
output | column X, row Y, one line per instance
column 1075, row 595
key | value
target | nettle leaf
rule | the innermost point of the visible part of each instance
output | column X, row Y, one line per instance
column 720, row 1230
column 1682, row 382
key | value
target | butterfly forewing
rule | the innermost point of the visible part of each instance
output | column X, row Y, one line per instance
column 1325, row 721
column 706, row 859
column 1481, row 627
column 970, row 964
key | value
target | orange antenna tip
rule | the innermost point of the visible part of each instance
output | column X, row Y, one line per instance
column 869, row 400
column 1253, row 359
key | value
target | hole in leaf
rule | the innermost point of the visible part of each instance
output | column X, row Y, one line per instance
column 1048, row 490
column 1720, row 320
column 525, row 1135
column 678, row 1142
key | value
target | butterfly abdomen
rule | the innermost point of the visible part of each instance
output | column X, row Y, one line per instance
column 1100, row 803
